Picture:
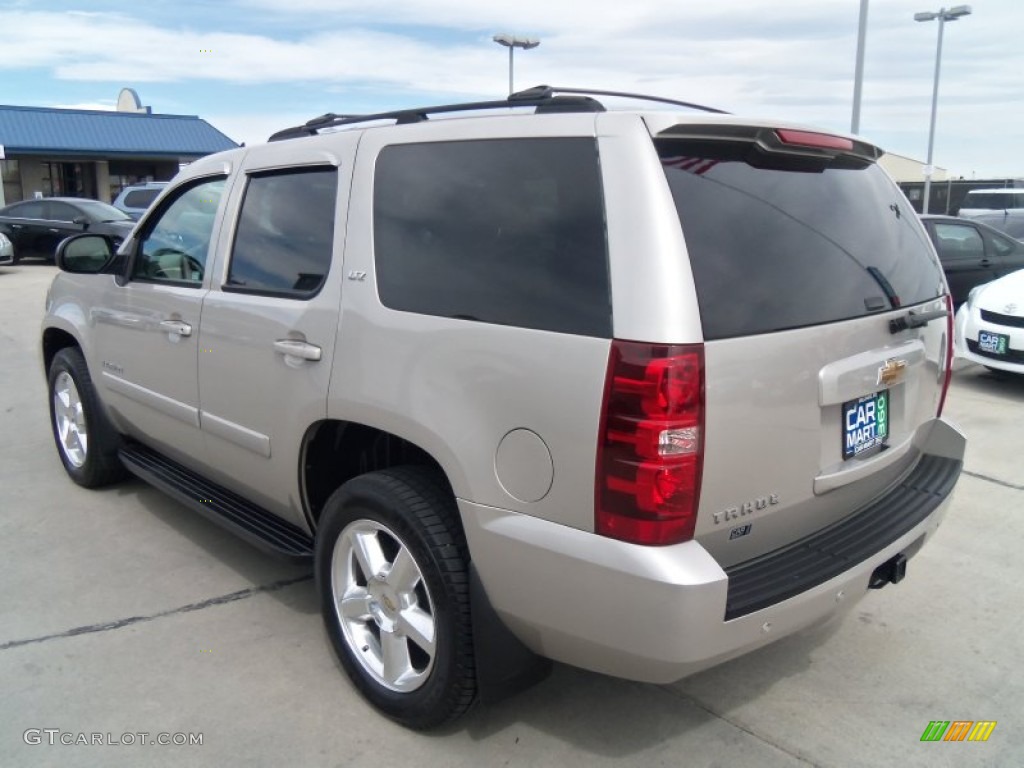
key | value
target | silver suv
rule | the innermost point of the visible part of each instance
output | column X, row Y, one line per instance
column 635, row 391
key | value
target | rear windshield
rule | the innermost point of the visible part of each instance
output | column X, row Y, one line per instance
column 774, row 248
column 141, row 198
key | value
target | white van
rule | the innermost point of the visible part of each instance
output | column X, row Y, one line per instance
column 979, row 201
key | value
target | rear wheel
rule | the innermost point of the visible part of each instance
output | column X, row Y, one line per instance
column 391, row 568
column 86, row 442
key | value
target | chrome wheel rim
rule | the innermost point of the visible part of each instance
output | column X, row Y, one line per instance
column 69, row 419
column 383, row 605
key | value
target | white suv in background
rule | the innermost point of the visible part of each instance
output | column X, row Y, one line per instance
column 982, row 201
column 135, row 199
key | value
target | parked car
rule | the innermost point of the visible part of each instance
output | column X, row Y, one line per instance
column 519, row 386
column 990, row 325
column 6, row 250
column 978, row 202
column 972, row 253
column 35, row 227
column 135, row 199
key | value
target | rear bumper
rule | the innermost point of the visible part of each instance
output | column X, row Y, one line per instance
column 658, row 614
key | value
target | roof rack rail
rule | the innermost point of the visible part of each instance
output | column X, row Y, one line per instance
column 544, row 98
column 542, row 91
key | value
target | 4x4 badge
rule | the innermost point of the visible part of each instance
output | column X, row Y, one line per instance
column 892, row 372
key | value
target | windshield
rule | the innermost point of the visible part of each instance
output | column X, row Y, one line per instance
column 777, row 247
column 98, row 211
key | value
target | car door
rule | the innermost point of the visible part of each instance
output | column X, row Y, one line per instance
column 269, row 324
column 147, row 326
column 964, row 259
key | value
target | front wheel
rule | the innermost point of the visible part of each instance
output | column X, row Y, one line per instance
column 391, row 569
column 86, row 442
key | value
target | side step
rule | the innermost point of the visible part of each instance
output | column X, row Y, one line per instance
column 241, row 517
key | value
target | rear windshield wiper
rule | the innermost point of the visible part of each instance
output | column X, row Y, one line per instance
column 915, row 320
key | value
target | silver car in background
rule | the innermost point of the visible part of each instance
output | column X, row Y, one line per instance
column 6, row 250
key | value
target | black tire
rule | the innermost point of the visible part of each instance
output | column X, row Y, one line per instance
column 411, row 510
column 97, row 464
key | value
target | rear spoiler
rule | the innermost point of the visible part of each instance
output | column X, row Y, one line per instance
column 791, row 142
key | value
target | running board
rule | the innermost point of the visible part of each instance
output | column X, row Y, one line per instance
column 243, row 518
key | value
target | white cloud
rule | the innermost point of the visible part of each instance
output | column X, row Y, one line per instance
column 785, row 58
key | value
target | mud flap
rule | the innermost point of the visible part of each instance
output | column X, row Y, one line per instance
column 504, row 666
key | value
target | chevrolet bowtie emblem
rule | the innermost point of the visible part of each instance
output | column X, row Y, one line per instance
column 892, row 372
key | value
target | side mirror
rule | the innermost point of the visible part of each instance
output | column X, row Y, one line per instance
column 81, row 220
column 84, row 254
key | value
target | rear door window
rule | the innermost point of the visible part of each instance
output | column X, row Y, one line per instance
column 285, row 236
column 774, row 247
column 958, row 242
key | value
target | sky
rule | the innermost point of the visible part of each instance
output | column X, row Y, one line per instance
column 252, row 67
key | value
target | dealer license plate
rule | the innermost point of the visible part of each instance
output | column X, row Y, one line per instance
column 865, row 423
column 993, row 343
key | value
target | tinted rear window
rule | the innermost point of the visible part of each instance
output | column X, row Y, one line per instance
column 140, row 198
column 506, row 231
column 773, row 248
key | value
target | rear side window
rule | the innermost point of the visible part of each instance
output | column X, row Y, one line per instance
column 285, row 234
column 30, row 210
column 506, row 231
column 774, row 248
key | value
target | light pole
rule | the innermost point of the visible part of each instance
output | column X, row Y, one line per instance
column 512, row 42
column 943, row 15
column 858, row 74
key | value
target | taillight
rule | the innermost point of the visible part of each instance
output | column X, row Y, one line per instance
column 651, row 443
column 948, row 373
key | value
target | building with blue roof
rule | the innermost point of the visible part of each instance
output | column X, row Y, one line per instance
column 47, row 152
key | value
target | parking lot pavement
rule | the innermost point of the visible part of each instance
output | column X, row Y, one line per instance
column 123, row 613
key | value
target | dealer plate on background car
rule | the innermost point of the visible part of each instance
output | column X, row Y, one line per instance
column 993, row 343
column 865, row 423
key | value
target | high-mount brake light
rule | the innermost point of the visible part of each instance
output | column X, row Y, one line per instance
column 814, row 140
column 650, row 454
column 948, row 373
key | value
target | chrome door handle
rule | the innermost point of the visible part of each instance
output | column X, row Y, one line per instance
column 300, row 349
column 176, row 326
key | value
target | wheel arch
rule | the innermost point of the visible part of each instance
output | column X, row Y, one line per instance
column 53, row 341
column 336, row 450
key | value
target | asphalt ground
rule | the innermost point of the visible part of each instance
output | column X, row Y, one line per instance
column 122, row 613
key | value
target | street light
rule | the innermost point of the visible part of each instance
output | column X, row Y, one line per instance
column 943, row 15
column 858, row 74
column 512, row 42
